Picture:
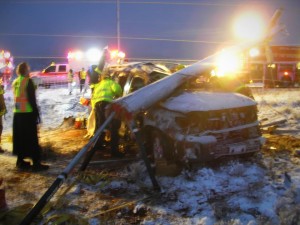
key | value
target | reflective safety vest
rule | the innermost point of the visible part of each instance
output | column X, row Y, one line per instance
column 22, row 104
column 106, row 90
column 82, row 74
column 70, row 77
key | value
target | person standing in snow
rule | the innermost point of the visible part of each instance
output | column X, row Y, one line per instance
column 82, row 76
column 25, row 119
column 2, row 111
column 70, row 81
column 104, row 93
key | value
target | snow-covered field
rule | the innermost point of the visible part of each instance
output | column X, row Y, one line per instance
column 263, row 189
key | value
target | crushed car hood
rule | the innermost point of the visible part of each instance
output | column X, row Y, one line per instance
column 206, row 101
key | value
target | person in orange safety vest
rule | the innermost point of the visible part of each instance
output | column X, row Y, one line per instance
column 25, row 119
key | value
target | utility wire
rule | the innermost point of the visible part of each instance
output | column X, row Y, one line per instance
column 110, row 37
column 129, row 59
column 129, row 2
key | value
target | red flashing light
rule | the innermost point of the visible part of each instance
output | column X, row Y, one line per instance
column 70, row 55
column 116, row 54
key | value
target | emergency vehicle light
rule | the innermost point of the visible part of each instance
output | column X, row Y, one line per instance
column 6, row 55
column 93, row 54
column 75, row 55
column 116, row 54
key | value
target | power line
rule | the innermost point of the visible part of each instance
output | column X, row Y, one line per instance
column 114, row 37
column 130, row 59
column 127, row 2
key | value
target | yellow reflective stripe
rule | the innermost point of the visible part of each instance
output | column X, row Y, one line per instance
column 21, row 101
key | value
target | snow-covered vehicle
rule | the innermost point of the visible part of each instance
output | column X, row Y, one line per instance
column 200, row 122
column 201, row 126
column 205, row 118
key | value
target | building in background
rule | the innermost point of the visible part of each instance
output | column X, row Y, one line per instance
column 281, row 69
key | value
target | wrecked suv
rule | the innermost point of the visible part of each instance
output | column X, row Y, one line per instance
column 202, row 123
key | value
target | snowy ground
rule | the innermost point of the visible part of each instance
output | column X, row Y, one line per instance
column 263, row 189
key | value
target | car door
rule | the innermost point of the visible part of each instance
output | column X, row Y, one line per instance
column 48, row 75
column 62, row 74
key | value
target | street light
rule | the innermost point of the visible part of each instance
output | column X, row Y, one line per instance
column 249, row 26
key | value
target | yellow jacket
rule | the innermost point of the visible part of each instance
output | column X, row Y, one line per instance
column 105, row 90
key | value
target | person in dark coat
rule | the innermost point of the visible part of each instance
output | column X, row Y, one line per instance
column 25, row 120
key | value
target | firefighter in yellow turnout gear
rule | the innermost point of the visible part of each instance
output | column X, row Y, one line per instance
column 104, row 93
column 82, row 77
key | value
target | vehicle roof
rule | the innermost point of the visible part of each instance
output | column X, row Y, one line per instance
column 132, row 65
column 206, row 101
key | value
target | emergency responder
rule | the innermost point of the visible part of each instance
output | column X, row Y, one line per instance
column 104, row 93
column 82, row 76
column 70, row 81
column 25, row 120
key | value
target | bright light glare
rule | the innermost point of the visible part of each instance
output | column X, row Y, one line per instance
column 249, row 26
column 93, row 55
column 228, row 63
column 113, row 54
column 121, row 55
column 6, row 55
column 70, row 55
column 75, row 55
column 254, row 52
column 78, row 55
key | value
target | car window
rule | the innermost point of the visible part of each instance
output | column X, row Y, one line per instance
column 62, row 68
column 50, row 69
column 137, row 83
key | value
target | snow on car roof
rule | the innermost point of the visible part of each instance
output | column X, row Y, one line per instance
column 206, row 101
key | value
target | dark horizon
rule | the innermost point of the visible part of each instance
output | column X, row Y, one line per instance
column 161, row 30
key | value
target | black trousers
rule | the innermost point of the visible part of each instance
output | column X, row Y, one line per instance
column 113, row 127
column 82, row 84
column 25, row 137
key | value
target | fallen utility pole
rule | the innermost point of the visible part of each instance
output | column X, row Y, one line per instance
column 63, row 176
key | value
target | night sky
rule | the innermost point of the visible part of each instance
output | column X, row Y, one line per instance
column 159, row 29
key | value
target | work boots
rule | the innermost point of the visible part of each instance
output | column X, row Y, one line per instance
column 23, row 165
column 39, row 167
